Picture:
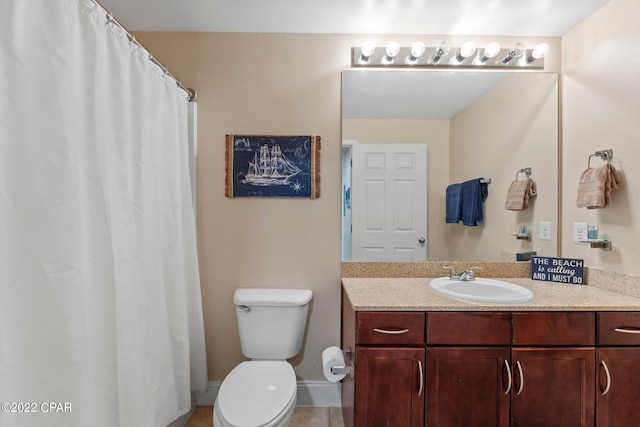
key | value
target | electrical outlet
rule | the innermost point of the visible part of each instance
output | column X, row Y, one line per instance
column 545, row 230
column 579, row 231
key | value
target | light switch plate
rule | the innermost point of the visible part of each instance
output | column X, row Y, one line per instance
column 579, row 231
column 545, row 230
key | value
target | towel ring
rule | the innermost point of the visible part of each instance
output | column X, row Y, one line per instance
column 604, row 155
column 526, row 171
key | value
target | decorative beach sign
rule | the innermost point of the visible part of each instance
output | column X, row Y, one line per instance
column 272, row 166
column 560, row 270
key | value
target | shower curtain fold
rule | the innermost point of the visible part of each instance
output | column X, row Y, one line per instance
column 100, row 306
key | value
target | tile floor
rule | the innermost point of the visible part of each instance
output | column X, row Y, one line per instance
column 303, row 416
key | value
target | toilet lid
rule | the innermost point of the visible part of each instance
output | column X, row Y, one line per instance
column 256, row 392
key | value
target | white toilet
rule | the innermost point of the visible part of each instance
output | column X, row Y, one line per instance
column 262, row 391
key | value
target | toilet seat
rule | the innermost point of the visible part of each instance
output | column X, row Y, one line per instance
column 257, row 393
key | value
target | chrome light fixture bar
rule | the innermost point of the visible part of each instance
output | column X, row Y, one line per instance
column 444, row 55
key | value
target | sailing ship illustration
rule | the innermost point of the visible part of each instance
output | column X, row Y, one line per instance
column 270, row 167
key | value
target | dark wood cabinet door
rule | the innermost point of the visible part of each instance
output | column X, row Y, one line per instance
column 618, row 389
column 390, row 388
column 468, row 387
column 553, row 387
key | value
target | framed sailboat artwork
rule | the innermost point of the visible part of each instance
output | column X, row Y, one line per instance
column 272, row 166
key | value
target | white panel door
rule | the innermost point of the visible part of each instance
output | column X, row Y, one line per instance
column 389, row 209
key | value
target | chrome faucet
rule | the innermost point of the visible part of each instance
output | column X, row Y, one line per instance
column 465, row 276
column 468, row 274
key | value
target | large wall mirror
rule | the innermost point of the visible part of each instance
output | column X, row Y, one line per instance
column 435, row 128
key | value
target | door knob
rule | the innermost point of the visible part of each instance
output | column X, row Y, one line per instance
column 421, row 240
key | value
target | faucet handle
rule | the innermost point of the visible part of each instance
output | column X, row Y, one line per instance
column 452, row 272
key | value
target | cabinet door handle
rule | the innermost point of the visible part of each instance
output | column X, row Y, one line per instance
column 420, row 373
column 606, row 371
column 390, row 332
column 521, row 378
column 506, row 364
column 627, row 330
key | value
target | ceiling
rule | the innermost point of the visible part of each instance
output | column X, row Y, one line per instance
column 462, row 17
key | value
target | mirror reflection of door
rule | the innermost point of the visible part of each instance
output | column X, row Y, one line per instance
column 389, row 209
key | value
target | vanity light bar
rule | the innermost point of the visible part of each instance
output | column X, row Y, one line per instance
column 376, row 56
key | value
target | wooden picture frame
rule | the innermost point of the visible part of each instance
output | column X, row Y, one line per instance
column 272, row 166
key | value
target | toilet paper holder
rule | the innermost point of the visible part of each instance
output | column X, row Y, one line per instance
column 344, row 369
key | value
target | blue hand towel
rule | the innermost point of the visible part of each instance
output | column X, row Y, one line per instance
column 454, row 204
column 473, row 193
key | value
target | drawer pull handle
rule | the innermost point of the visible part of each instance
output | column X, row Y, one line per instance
column 627, row 330
column 506, row 364
column 420, row 373
column 606, row 371
column 390, row 332
column 521, row 378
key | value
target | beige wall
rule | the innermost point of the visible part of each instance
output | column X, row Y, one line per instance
column 434, row 133
column 270, row 84
column 600, row 107
column 512, row 126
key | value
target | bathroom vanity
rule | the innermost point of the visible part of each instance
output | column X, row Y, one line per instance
column 424, row 359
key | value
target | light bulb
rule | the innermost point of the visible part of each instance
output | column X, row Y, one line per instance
column 515, row 52
column 393, row 48
column 366, row 50
column 466, row 50
column 417, row 50
column 540, row 51
column 442, row 50
column 490, row 51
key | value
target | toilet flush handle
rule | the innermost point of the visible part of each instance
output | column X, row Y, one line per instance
column 245, row 308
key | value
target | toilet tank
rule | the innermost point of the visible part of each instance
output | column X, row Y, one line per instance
column 271, row 322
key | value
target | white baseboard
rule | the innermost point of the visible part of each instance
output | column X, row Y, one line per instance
column 310, row 393
column 208, row 398
column 321, row 394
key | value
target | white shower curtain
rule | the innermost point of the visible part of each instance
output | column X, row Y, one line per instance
column 100, row 307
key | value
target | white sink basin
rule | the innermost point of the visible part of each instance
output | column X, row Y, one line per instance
column 484, row 290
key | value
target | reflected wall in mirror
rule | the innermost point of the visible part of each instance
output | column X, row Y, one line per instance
column 487, row 124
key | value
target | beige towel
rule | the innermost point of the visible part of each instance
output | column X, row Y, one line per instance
column 614, row 182
column 519, row 193
column 595, row 186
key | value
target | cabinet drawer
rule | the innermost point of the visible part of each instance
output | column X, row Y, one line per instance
column 391, row 327
column 554, row 328
column 619, row 328
column 468, row 328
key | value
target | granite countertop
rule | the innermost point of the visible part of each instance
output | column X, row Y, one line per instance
column 415, row 294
